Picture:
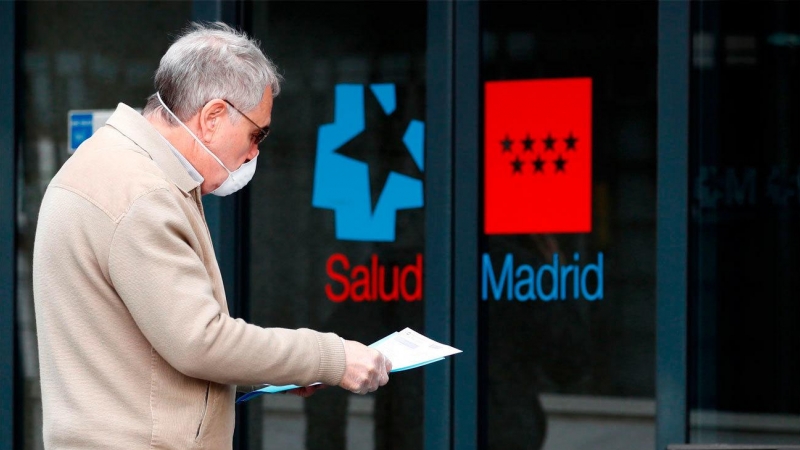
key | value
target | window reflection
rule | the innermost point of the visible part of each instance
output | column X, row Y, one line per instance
column 744, row 222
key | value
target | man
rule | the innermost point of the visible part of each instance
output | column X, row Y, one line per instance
column 137, row 349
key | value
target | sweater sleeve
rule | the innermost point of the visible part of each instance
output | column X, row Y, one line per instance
column 168, row 292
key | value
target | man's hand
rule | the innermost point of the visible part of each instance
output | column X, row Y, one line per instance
column 366, row 368
column 305, row 391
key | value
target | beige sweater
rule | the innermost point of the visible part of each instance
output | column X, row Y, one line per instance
column 136, row 347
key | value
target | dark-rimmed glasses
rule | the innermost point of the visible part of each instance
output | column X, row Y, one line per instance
column 262, row 132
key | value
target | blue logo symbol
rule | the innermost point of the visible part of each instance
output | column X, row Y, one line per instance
column 342, row 183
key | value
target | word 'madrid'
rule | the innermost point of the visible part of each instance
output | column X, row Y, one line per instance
column 554, row 281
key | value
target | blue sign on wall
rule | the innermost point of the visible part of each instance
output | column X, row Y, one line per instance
column 81, row 124
column 80, row 128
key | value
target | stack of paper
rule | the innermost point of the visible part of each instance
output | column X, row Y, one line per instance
column 406, row 349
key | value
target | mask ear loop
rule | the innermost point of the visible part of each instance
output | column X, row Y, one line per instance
column 190, row 132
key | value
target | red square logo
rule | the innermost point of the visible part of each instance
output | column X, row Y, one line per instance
column 538, row 156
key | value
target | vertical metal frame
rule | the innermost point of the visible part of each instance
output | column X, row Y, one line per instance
column 451, row 228
column 439, row 215
column 466, row 197
column 207, row 10
column 8, row 249
column 672, row 223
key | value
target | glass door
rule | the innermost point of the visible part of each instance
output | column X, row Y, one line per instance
column 336, row 213
column 745, row 212
column 567, row 259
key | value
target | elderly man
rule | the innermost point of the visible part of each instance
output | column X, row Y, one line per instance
column 137, row 349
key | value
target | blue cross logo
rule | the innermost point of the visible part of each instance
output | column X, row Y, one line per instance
column 342, row 183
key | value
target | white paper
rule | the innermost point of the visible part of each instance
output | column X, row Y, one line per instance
column 406, row 350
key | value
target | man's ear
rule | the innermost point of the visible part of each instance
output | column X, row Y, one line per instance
column 211, row 118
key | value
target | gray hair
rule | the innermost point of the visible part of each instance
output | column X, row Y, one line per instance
column 211, row 61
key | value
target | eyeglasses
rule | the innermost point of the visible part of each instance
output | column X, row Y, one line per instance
column 262, row 132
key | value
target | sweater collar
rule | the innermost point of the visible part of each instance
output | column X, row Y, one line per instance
column 132, row 125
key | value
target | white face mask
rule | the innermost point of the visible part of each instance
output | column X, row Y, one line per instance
column 236, row 179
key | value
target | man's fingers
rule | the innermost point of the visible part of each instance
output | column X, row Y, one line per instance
column 366, row 369
column 305, row 391
column 387, row 365
column 385, row 368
